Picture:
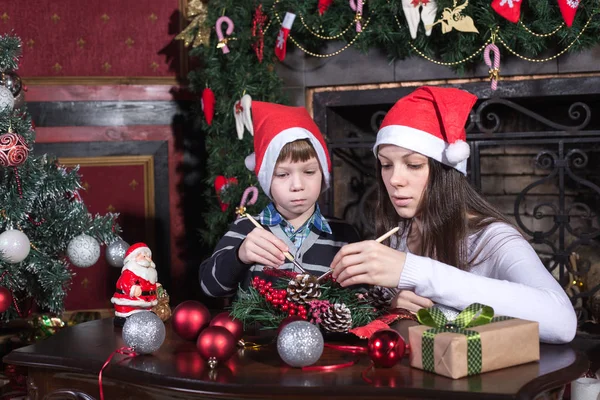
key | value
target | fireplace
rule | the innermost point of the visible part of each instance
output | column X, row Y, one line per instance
column 535, row 148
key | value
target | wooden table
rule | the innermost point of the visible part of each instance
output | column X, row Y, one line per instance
column 66, row 365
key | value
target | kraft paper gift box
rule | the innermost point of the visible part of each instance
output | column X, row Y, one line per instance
column 465, row 347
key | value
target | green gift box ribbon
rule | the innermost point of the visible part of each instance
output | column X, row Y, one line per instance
column 474, row 315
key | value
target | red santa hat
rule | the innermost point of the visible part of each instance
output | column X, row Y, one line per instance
column 430, row 121
column 274, row 127
column 136, row 249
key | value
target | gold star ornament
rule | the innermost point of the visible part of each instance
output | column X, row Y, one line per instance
column 197, row 32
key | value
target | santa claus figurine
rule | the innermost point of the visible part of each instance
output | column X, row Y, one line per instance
column 136, row 287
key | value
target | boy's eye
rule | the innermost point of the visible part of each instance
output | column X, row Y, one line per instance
column 281, row 175
column 310, row 172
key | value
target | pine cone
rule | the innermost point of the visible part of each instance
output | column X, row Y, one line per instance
column 379, row 297
column 337, row 319
column 303, row 288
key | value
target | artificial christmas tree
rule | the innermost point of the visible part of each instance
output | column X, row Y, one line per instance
column 40, row 209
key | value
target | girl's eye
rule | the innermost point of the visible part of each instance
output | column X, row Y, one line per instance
column 386, row 166
column 415, row 166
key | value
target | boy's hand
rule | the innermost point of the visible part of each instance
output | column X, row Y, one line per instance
column 410, row 301
column 262, row 247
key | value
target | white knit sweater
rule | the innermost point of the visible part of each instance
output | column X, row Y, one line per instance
column 512, row 280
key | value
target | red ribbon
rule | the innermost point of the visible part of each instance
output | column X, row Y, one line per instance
column 327, row 368
column 127, row 351
column 347, row 349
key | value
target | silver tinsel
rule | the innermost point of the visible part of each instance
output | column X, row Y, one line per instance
column 83, row 251
column 300, row 343
column 7, row 100
column 144, row 332
column 449, row 312
column 115, row 253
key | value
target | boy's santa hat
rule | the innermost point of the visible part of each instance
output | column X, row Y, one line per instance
column 136, row 249
column 430, row 121
column 274, row 127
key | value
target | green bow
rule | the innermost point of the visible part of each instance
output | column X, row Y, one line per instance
column 474, row 315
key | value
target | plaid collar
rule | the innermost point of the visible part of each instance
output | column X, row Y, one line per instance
column 270, row 217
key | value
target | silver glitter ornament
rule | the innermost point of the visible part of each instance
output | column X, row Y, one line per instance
column 300, row 343
column 449, row 312
column 144, row 332
column 11, row 81
column 83, row 251
column 7, row 100
column 115, row 253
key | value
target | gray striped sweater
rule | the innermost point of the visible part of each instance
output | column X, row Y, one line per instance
column 221, row 274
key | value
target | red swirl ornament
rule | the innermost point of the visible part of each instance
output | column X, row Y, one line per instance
column 13, row 150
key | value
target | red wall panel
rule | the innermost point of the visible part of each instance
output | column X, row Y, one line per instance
column 108, row 38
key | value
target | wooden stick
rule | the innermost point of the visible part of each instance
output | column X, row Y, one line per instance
column 285, row 253
column 378, row 240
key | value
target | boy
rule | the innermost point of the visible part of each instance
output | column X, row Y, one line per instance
column 293, row 167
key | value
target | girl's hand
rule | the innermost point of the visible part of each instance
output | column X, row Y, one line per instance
column 410, row 301
column 368, row 262
column 262, row 247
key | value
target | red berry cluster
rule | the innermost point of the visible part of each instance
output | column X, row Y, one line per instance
column 277, row 298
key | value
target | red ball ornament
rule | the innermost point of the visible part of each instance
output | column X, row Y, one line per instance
column 6, row 299
column 216, row 344
column 235, row 326
column 189, row 318
column 13, row 150
column 386, row 347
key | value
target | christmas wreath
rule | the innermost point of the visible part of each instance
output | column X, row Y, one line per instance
column 320, row 301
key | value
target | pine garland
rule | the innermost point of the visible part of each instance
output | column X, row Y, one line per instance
column 231, row 75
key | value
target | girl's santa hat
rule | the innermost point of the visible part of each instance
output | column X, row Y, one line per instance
column 430, row 121
column 274, row 127
column 136, row 249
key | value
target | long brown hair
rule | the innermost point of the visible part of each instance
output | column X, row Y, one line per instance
column 450, row 211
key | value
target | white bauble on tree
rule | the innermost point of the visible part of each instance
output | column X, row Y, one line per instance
column 83, row 251
column 14, row 246
column 7, row 100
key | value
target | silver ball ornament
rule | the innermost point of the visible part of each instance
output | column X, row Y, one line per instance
column 83, row 251
column 7, row 100
column 144, row 332
column 115, row 253
column 14, row 246
column 449, row 312
column 11, row 81
column 300, row 343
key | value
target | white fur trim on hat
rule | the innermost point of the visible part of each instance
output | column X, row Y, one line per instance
column 250, row 161
column 420, row 141
column 265, row 173
column 137, row 251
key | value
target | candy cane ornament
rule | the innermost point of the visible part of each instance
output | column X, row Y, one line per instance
column 250, row 190
column 222, row 39
column 358, row 7
column 495, row 66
